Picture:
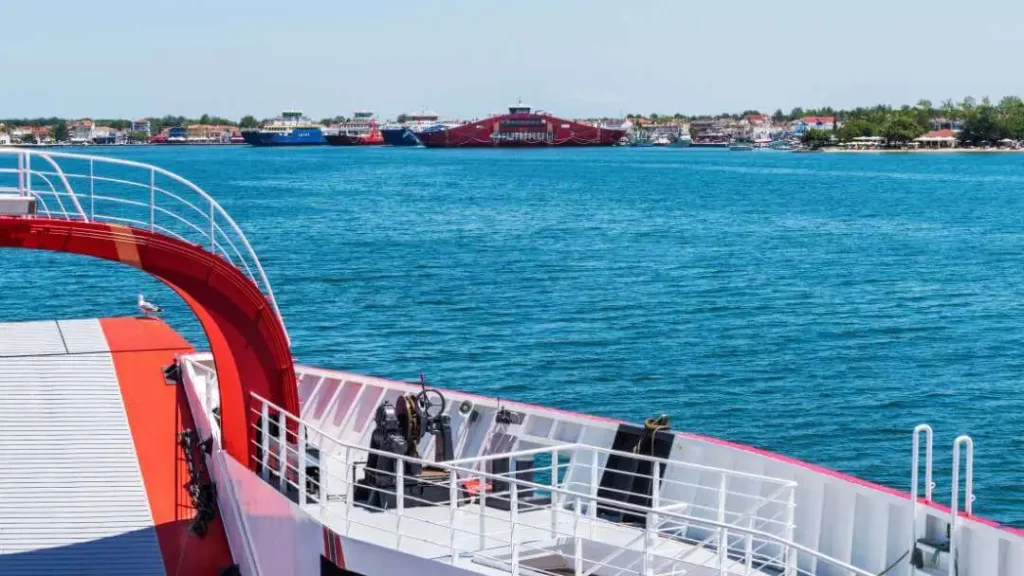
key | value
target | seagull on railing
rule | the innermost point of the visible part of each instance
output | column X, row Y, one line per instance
column 148, row 308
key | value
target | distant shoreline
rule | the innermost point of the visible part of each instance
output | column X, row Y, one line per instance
column 925, row 151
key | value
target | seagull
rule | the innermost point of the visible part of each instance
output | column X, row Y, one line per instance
column 148, row 308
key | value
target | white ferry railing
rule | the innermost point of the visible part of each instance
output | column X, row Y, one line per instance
column 103, row 189
column 320, row 473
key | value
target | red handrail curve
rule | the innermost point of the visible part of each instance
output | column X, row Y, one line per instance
column 247, row 340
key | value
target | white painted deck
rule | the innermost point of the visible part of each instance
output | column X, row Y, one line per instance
column 72, row 499
column 426, row 533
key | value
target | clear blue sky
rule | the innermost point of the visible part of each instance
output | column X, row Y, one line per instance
column 128, row 58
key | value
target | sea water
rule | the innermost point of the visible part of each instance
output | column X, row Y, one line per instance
column 817, row 305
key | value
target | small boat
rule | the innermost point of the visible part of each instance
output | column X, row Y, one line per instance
column 683, row 141
column 740, row 147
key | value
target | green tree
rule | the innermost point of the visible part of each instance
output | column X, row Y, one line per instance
column 856, row 128
column 779, row 116
column 981, row 127
column 204, row 119
column 901, row 128
column 59, row 132
column 815, row 138
column 796, row 113
column 248, row 121
column 653, row 117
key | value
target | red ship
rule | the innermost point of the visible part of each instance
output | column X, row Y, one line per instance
column 521, row 127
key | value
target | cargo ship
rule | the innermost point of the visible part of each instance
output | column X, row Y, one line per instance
column 362, row 130
column 289, row 129
column 521, row 127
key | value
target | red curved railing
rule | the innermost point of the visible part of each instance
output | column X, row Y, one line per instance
column 218, row 274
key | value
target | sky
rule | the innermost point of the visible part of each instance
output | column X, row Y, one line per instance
column 466, row 58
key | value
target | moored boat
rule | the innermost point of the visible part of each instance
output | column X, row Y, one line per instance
column 361, row 130
column 289, row 129
column 521, row 127
column 404, row 132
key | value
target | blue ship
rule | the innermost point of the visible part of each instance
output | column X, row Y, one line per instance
column 290, row 129
column 398, row 135
column 406, row 131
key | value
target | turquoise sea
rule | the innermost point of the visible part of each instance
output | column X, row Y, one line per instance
column 816, row 305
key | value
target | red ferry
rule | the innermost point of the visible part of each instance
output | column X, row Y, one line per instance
column 521, row 127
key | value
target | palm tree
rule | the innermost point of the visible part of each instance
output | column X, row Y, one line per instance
column 949, row 109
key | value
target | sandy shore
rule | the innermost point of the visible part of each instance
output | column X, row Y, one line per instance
column 926, row 151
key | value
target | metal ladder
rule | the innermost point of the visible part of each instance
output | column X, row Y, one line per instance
column 954, row 522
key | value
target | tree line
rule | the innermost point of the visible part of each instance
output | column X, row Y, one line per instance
column 59, row 126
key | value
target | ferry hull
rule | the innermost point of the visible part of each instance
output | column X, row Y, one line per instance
column 399, row 137
column 304, row 138
column 350, row 140
column 520, row 130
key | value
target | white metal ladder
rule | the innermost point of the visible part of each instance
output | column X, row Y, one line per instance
column 954, row 501
column 929, row 485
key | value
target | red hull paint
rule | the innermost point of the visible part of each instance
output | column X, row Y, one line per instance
column 521, row 130
column 248, row 343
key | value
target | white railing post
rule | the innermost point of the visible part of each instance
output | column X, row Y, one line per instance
column 152, row 200
column 483, row 510
column 594, row 485
column 28, row 174
column 350, row 476
column 265, row 441
column 282, row 450
column 213, row 230
column 453, row 503
column 914, row 466
column 92, row 191
column 513, row 512
column 954, row 501
column 651, row 523
column 301, row 461
column 21, row 173
column 399, row 500
column 791, row 559
column 577, row 542
column 723, row 534
column 554, row 495
column 748, row 552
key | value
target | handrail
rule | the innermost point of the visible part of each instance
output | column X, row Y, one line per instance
column 212, row 219
column 954, row 502
column 928, row 484
column 516, row 484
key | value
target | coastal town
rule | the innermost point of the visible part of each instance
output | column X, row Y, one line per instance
column 966, row 125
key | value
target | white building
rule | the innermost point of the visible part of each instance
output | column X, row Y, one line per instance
column 143, row 127
column 81, row 132
column 5, row 139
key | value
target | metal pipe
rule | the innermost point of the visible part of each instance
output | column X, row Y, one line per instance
column 914, row 468
column 399, row 501
column 513, row 512
column 453, row 494
column 301, row 461
column 723, row 534
column 92, row 190
column 152, row 200
column 954, row 501
column 554, row 495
